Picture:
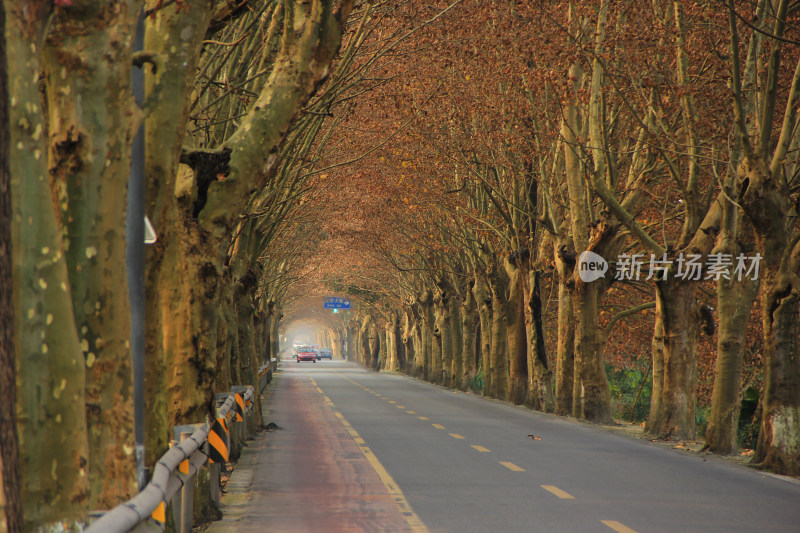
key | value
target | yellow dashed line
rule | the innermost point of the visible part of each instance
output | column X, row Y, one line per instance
column 512, row 466
column 414, row 522
column 616, row 526
column 392, row 401
column 401, row 407
column 438, row 426
column 411, row 412
column 424, row 418
column 564, row 495
column 457, row 436
column 480, row 448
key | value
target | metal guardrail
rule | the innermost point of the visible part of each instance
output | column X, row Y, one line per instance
column 172, row 473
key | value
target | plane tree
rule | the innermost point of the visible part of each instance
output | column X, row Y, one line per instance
column 70, row 169
column 767, row 191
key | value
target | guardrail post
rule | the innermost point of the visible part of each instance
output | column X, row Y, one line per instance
column 177, row 501
column 214, row 481
column 245, row 425
column 184, row 502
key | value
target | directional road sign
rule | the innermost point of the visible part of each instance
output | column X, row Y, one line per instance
column 337, row 303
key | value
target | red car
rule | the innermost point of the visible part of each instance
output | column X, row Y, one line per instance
column 306, row 353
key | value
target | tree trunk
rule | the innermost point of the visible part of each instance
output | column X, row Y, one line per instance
column 364, row 354
column 514, row 317
column 778, row 446
column 443, row 338
column 275, row 315
column 89, row 54
column 766, row 204
column 401, row 356
column 499, row 354
column 735, row 302
column 374, row 347
column 413, row 365
column 565, row 350
column 677, row 312
column 175, row 36
column 656, row 413
column 427, row 327
column 595, row 401
column 450, row 336
column 223, row 353
column 540, row 377
column 468, row 352
column 10, row 495
column 483, row 302
column 50, row 365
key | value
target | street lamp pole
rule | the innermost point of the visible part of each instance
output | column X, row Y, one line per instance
column 135, row 231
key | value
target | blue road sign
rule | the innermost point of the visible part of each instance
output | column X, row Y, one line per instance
column 337, row 303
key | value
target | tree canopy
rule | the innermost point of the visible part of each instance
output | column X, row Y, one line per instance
column 447, row 166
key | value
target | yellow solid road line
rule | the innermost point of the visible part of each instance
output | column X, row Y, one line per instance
column 414, row 522
column 457, row 436
column 438, row 426
column 616, row 526
column 564, row 495
column 512, row 466
column 480, row 448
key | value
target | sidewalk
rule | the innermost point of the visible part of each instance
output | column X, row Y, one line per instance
column 309, row 476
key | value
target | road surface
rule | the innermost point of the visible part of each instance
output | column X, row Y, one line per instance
column 361, row 451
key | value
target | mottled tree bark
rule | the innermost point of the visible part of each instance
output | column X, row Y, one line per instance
column 439, row 334
column 766, row 204
column 449, row 334
column 89, row 53
column 514, row 317
column 428, row 340
column 595, row 401
column 469, row 352
column 10, row 494
column 364, row 353
column 175, row 38
column 375, row 346
column 565, row 348
column 498, row 355
column 50, row 369
column 678, row 318
column 734, row 305
column 484, row 304
column 540, row 377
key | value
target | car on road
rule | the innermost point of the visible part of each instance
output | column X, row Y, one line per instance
column 325, row 353
column 306, row 353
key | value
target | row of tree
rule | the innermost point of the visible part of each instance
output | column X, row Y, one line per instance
column 516, row 136
column 445, row 164
column 231, row 109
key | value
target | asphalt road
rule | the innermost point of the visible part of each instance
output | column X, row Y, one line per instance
column 361, row 451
